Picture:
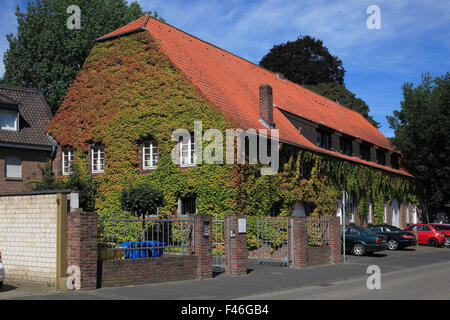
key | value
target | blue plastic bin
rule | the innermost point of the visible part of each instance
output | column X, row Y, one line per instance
column 143, row 249
column 151, row 252
column 133, row 253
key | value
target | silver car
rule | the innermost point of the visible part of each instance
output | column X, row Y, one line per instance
column 2, row 272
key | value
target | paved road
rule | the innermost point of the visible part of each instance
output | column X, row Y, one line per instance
column 431, row 282
column 403, row 272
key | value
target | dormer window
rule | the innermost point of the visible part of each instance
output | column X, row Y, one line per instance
column 365, row 151
column 346, row 146
column 381, row 157
column 323, row 139
column 9, row 120
column 395, row 162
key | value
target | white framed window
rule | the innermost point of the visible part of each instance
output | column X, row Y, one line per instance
column 67, row 161
column 13, row 167
column 98, row 159
column 149, row 155
column 9, row 120
column 187, row 152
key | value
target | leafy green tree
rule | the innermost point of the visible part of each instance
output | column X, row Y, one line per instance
column 305, row 61
column 141, row 200
column 308, row 62
column 47, row 55
column 422, row 128
column 77, row 181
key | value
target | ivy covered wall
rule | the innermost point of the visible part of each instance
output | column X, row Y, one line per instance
column 128, row 90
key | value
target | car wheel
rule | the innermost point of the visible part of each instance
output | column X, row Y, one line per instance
column 433, row 242
column 393, row 244
column 1, row 285
column 359, row 249
column 447, row 242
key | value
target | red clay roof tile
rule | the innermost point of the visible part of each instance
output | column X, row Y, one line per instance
column 232, row 84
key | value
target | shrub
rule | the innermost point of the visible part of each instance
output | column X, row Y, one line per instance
column 141, row 200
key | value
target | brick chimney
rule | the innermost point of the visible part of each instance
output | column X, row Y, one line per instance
column 266, row 105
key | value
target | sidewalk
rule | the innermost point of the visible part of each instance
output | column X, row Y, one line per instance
column 260, row 279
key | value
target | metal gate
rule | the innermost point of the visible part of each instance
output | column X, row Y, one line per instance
column 272, row 241
column 218, row 238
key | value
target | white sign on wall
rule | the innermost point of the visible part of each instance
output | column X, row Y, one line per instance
column 242, row 225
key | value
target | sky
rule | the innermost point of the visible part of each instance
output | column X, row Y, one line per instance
column 413, row 37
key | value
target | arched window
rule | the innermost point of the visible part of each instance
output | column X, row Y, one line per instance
column 370, row 218
column 339, row 210
column 299, row 210
column 395, row 209
column 352, row 206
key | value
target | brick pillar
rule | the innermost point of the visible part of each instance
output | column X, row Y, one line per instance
column 335, row 240
column 203, row 245
column 236, row 246
column 82, row 248
column 299, row 241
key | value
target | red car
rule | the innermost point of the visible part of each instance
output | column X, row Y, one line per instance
column 427, row 234
column 445, row 229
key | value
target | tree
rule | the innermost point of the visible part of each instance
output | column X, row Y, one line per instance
column 422, row 127
column 308, row 62
column 77, row 181
column 47, row 55
column 141, row 200
column 345, row 97
column 305, row 61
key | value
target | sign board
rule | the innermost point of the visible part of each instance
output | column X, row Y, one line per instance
column 242, row 225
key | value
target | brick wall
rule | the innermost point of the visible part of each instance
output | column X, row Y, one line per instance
column 82, row 246
column 151, row 270
column 318, row 255
column 305, row 255
column 28, row 237
column 32, row 160
column 196, row 265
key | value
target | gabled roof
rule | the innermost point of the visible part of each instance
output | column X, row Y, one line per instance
column 232, row 84
column 34, row 117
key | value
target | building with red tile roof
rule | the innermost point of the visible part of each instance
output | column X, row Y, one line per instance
column 146, row 79
column 232, row 84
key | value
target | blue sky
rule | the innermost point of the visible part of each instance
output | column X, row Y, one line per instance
column 414, row 37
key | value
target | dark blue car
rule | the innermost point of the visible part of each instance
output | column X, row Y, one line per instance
column 360, row 241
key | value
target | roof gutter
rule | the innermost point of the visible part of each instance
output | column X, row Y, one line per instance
column 337, row 157
column 24, row 146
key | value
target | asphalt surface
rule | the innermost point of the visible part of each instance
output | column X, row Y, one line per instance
column 405, row 274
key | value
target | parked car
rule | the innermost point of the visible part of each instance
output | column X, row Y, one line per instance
column 396, row 237
column 360, row 241
column 2, row 272
column 445, row 229
column 427, row 234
